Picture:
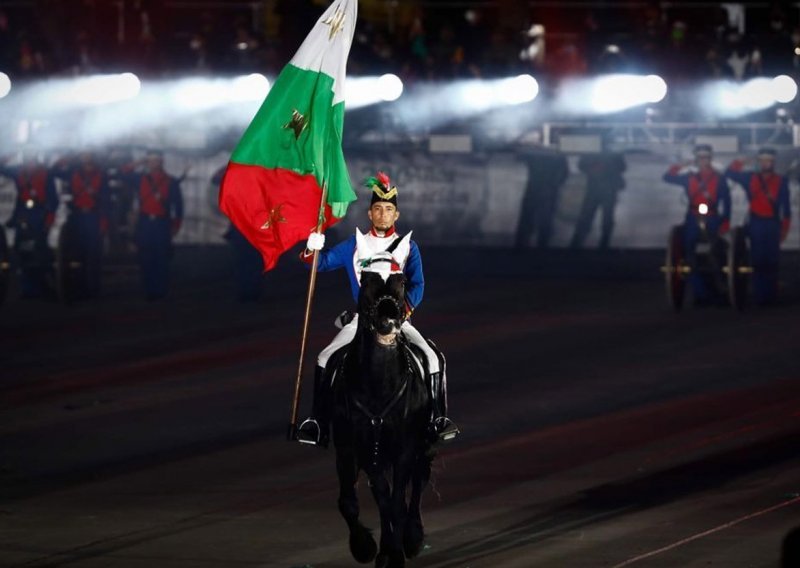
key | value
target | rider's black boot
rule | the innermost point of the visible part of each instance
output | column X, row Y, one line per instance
column 315, row 430
column 443, row 429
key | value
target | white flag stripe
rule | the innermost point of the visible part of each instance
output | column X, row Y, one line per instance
column 321, row 53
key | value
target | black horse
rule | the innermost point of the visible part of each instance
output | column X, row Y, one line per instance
column 380, row 424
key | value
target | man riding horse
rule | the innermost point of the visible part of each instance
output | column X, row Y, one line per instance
column 382, row 237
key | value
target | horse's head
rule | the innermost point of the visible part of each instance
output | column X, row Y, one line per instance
column 381, row 301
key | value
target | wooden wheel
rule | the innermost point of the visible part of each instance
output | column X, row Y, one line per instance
column 675, row 269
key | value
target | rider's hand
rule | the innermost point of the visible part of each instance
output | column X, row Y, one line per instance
column 315, row 241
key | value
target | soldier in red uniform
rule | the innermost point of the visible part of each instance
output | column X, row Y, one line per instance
column 34, row 213
column 87, row 186
column 768, row 220
column 160, row 216
column 707, row 217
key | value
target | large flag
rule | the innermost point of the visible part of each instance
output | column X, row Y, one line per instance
column 272, row 188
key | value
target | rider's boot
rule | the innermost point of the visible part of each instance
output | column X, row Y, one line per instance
column 443, row 429
column 315, row 430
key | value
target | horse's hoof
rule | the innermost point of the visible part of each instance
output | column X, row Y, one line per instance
column 362, row 545
column 397, row 560
column 382, row 560
column 413, row 538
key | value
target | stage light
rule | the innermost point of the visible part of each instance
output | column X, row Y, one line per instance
column 102, row 89
column 784, row 89
column 390, row 87
column 519, row 90
column 475, row 95
column 198, row 94
column 609, row 93
column 253, row 87
column 654, row 88
column 365, row 91
column 756, row 94
column 5, row 85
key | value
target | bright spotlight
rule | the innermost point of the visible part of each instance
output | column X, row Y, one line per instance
column 757, row 94
column 519, row 90
column 613, row 93
column 654, row 89
column 5, row 85
column 253, row 87
column 390, row 87
column 103, row 89
column 784, row 88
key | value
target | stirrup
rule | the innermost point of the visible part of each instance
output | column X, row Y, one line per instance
column 445, row 429
column 310, row 432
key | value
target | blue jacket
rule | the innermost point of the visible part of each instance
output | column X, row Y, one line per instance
column 341, row 256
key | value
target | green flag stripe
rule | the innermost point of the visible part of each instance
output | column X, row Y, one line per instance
column 272, row 140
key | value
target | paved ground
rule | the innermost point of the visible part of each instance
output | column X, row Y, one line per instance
column 600, row 429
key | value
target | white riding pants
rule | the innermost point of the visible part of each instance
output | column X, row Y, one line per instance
column 348, row 332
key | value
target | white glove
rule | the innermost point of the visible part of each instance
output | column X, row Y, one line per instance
column 315, row 241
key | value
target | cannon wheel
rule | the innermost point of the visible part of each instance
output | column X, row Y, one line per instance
column 738, row 268
column 5, row 265
column 70, row 266
column 675, row 268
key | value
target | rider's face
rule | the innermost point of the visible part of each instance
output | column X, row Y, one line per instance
column 383, row 215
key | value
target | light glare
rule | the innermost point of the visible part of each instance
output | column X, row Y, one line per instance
column 253, row 87
column 102, row 89
column 390, row 87
column 5, row 85
column 519, row 90
column 614, row 93
column 785, row 89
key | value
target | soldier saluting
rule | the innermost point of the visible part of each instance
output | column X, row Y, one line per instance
column 769, row 218
column 708, row 215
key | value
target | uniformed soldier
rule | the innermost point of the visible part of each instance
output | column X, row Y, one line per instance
column 87, row 186
column 160, row 216
column 707, row 217
column 769, row 218
column 603, row 182
column 33, row 216
column 383, row 213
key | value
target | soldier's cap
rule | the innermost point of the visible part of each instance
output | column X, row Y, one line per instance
column 382, row 189
column 703, row 150
column 767, row 152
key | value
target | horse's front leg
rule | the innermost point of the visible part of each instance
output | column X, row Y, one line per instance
column 414, row 531
column 402, row 470
column 383, row 498
column 362, row 545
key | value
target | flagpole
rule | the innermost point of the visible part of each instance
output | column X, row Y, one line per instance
column 291, row 433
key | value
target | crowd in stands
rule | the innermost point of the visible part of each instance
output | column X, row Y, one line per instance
column 420, row 40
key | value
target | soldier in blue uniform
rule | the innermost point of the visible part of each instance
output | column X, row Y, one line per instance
column 707, row 217
column 768, row 221
column 33, row 216
column 87, row 186
column 160, row 216
column 383, row 213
